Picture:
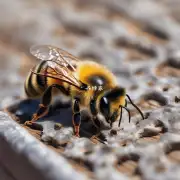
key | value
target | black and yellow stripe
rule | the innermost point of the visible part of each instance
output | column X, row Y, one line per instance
column 35, row 85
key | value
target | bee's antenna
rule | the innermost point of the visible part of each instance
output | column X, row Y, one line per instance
column 135, row 106
column 120, row 117
column 121, row 114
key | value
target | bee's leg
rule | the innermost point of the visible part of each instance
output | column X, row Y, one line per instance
column 99, row 136
column 94, row 112
column 125, row 103
column 95, row 120
column 96, row 123
column 45, row 102
column 76, row 120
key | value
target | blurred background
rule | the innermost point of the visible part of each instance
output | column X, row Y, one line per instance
column 138, row 40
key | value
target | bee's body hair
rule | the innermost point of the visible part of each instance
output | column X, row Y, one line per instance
column 35, row 85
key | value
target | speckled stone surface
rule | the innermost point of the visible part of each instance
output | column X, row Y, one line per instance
column 26, row 158
column 139, row 41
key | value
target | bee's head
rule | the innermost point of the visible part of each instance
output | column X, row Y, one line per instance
column 110, row 102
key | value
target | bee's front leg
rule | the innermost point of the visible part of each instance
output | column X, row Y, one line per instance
column 76, row 119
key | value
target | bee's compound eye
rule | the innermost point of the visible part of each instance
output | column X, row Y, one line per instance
column 104, row 107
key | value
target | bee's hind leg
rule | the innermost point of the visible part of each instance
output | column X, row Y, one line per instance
column 42, row 111
column 76, row 119
column 45, row 103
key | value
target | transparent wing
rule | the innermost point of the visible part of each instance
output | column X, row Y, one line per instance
column 61, row 64
column 52, row 53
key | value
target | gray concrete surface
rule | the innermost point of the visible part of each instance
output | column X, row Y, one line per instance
column 26, row 158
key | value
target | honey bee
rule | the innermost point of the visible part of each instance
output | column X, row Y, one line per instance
column 89, row 84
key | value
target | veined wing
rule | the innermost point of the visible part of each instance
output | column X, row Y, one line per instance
column 61, row 64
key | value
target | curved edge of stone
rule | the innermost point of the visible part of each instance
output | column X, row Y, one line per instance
column 26, row 158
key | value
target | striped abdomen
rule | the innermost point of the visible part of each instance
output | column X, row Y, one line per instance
column 35, row 85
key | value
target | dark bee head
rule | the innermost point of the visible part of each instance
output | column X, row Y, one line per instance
column 112, row 103
column 109, row 103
